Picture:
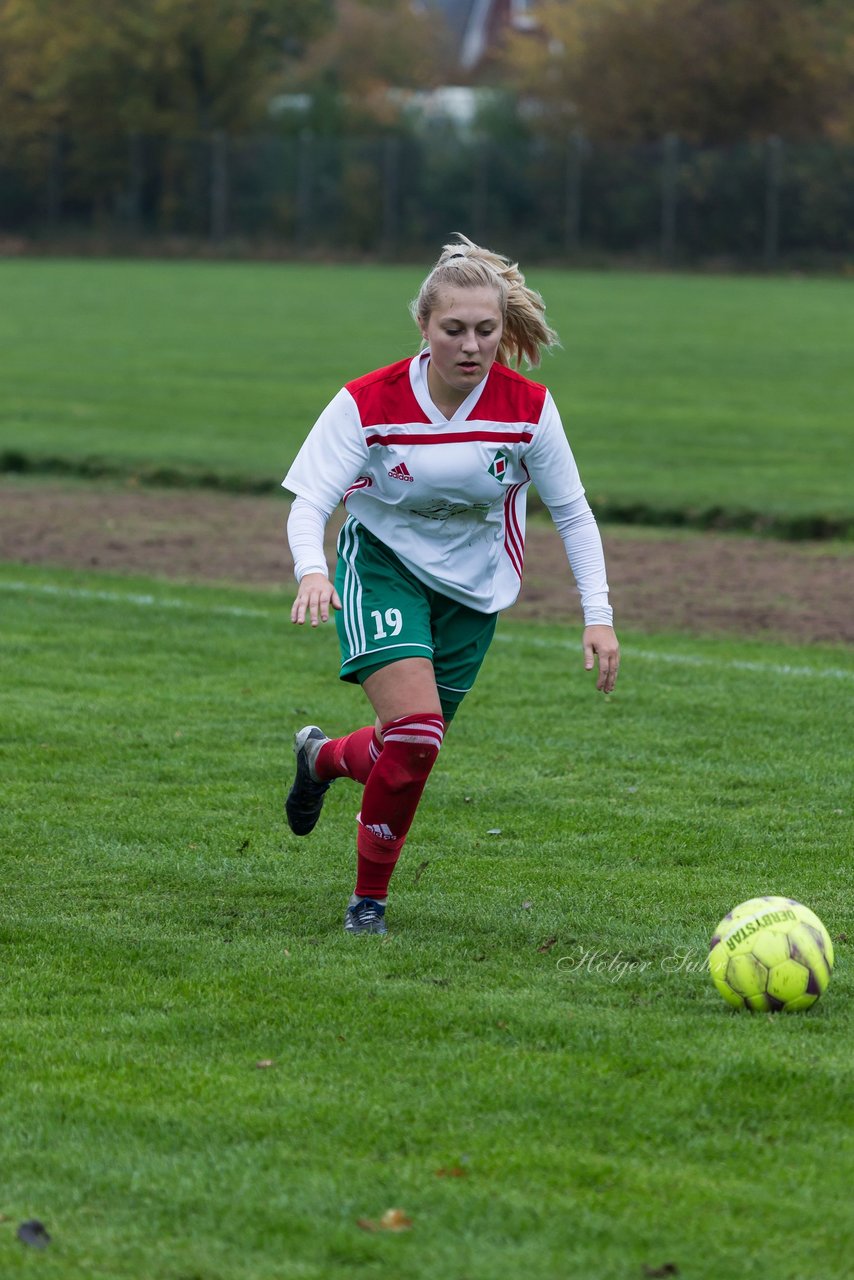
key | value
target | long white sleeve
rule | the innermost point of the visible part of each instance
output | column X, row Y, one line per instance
column 579, row 532
column 306, row 525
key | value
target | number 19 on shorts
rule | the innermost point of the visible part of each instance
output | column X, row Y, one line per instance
column 387, row 624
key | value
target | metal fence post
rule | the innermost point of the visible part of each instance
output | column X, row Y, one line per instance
column 575, row 148
column 135, row 181
column 53, row 186
column 391, row 186
column 773, row 182
column 669, row 181
column 305, row 183
column 480, row 189
column 219, row 185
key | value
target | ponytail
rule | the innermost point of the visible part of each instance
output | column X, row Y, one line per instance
column 467, row 266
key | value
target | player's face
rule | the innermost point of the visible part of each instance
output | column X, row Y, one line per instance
column 463, row 333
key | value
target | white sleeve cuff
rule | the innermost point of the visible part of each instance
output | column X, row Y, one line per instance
column 579, row 532
column 306, row 525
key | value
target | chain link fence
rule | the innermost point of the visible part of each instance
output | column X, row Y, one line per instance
column 761, row 203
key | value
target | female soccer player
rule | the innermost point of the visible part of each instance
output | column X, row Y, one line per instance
column 432, row 457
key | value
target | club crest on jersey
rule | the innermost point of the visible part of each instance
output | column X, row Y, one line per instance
column 498, row 467
column 401, row 472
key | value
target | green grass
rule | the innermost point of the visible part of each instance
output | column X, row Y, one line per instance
column 162, row 932
column 680, row 394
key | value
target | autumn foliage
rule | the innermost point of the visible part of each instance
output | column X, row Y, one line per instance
column 710, row 70
column 168, row 66
column 713, row 71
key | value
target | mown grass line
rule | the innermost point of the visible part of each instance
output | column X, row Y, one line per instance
column 688, row 398
column 162, row 932
column 801, row 527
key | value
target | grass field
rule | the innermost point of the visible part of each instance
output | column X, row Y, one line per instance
column 532, row 1066
column 680, row 393
column 202, row 1077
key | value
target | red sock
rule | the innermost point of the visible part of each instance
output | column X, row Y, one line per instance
column 353, row 756
column 410, row 747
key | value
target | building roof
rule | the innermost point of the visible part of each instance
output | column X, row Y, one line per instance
column 469, row 24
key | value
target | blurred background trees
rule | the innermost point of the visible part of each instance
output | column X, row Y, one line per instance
column 383, row 120
column 356, row 70
column 166, row 65
column 713, row 71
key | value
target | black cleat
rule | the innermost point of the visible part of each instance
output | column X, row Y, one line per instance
column 305, row 798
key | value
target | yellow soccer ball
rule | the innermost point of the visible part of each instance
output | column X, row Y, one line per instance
column 771, row 954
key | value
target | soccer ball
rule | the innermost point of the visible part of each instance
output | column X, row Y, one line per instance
column 769, row 954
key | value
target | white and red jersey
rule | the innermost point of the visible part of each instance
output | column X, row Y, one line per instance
column 447, row 495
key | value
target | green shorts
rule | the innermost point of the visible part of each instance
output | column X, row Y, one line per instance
column 387, row 614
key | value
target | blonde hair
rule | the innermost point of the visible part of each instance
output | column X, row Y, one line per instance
column 468, row 266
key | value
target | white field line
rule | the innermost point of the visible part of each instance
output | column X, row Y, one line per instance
column 538, row 642
column 695, row 660
column 140, row 601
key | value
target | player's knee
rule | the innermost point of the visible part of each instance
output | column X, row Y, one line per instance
column 410, row 747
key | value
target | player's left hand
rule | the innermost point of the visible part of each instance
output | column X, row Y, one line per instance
column 602, row 642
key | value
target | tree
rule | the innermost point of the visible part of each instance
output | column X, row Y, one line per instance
column 169, row 65
column 713, row 71
column 373, row 47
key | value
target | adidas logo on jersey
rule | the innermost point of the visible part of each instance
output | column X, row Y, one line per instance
column 401, row 472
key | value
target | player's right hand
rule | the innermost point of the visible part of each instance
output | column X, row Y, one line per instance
column 314, row 596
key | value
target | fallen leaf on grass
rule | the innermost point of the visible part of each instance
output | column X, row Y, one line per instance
column 548, row 944
column 392, row 1220
column 395, row 1220
column 455, row 1171
column 34, row 1234
column 265, row 1062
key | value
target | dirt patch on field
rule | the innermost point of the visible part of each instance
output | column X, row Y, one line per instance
column 702, row 583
